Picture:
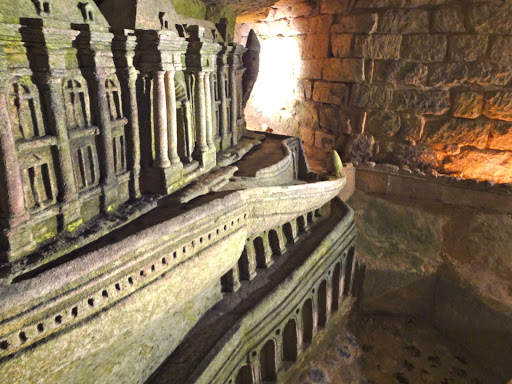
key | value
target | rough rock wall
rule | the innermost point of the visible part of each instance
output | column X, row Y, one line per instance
column 422, row 83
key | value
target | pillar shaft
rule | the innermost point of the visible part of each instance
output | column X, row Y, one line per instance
column 208, row 113
column 232, row 85
column 224, row 119
column 15, row 203
column 160, row 122
column 201, row 143
column 172, row 123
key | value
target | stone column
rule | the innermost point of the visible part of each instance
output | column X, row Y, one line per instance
column 133, row 134
column 234, row 113
column 107, row 151
column 172, row 123
column 160, row 121
column 10, row 169
column 200, row 107
column 209, row 117
column 223, row 129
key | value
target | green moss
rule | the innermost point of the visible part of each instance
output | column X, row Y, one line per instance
column 74, row 225
column 44, row 230
column 190, row 8
column 217, row 13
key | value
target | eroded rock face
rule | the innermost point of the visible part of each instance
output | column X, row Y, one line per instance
column 415, row 73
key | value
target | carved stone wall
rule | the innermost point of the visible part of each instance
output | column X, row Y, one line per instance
column 422, row 84
column 94, row 116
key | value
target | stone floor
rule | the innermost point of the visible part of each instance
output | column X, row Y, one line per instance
column 382, row 350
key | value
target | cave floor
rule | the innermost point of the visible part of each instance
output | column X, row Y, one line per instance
column 387, row 350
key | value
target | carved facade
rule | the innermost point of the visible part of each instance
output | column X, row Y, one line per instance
column 95, row 113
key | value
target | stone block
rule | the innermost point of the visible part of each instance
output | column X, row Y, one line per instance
column 302, row 9
column 334, row 6
column 411, row 127
column 306, row 112
column 316, row 46
column 371, row 95
column 346, row 70
column 414, row 156
column 330, row 93
column 307, row 135
column 461, row 132
column 308, row 69
column 359, row 148
column 320, row 24
column 361, row 23
column 335, row 120
column 400, row 72
column 341, row 45
column 382, row 123
column 424, row 47
column 467, row 47
column 501, row 49
column 448, row 19
column 404, row 21
column 299, row 26
column 490, row 17
column 377, row 46
column 498, row 105
column 305, row 88
column 325, row 141
column 467, row 104
column 433, row 101
column 501, row 136
column 481, row 73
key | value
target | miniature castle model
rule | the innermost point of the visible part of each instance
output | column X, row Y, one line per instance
column 147, row 236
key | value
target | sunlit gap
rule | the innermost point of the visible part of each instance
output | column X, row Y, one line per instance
column 274, row 91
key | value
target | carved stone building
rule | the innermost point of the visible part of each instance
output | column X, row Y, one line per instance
column 150, row 234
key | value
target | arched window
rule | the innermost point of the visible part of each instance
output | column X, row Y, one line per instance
column 268, row 362
column 77, row 104
column 290, row 346
column 336, row 277
column 307, row 321
column 349, row 265
column 322, row 304
column 25, row 112
column 245, row 375
column 113, row 99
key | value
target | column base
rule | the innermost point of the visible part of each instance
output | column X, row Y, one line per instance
column 135, row 184
column 109, row 200
column 207, row 159
column 160, row 180
column 225, row 142
column 71, row 215
column 19, row 242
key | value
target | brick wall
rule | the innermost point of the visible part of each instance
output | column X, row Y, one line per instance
column 418, row 83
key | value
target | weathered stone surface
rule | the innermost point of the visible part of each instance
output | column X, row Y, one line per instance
column 484, row 164
column 462, row 132
column 501, row 136
column 424, row 47
column 308, row 69
column 382, row 123
column 411, row 128
column 335, row 120
column 404, row 21
column 325, row 141
column 501, row 49
column 360, row 23
column 334, row 6
column 316, row 46
column 305, row 88
column 378, row 46
column 414, row 156
column 371, row 95
column 359, row 148
column 399, row 72
column 435, row 102
column 341, row 45
column 306, row 112
column 331, row 93
column 481, row 73
column 498, row 105
column 448, row 19
column 467, row 104
column 489, row 17
column 467, row 47
column 343, row 70
column 298, row 25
